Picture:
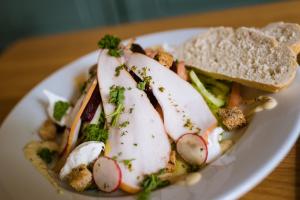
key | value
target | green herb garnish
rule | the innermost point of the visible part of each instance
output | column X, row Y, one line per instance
column 128, row 163
column 111, row 43
column 124, row 124
column 60, row 109
column 116, row 97
column 149, row 184
column 161, row 89
column 141, row 85
column 46, row 155
column 119, row 68
column 93, row 132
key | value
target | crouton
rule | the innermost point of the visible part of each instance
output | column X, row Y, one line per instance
column 164, row 58
column 80, row 178
column 232, row 118
column 48, row 130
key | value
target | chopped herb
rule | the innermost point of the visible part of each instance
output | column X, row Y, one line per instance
column 149, row 184
column 123, row 133
column 101, row 120
column 115, row 52
column 120, row 153
column 46, row 155
column 119, row 68
column 122, row 142
column 188, row 124
column 124, row 124
column 152, row 136
column 141, row 85
column 128, row 163
column 135, row 144
column 116, row 97
column 161, row 89
column 60, row 109
column 92, row 132
column 129, row 88
column 131, row 110
column 133, row 68
column 109, row 42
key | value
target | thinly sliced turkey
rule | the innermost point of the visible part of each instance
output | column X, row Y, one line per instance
column 184, row 109
column 73, row 125
column 142, row 147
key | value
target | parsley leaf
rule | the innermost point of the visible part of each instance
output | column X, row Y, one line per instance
column 141, row 85
column 149, row 184
column 109, row 42
column 116, row 97
column 46, row 155
column 60, row 109
column 93, row 132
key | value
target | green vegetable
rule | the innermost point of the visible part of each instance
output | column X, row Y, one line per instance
column 218, row 84
column 60, row 109
column 46, row 155
column 111, row 43
column 149, row 184
column 101, row 120
column 116, row 97
column 141, row 85
column 119, row 68
column 208, row 96
column 115, row 52
column 93, row 132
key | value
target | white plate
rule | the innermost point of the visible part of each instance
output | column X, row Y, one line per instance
column 266, row 141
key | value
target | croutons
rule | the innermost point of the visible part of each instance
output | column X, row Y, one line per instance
column 164, row 58
column 48, row 130
column 80, row 178
column 232, row 118
column 172, row 162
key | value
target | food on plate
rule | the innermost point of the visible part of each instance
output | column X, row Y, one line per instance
column 286, row 33
column 146, row 119
column 243, row 55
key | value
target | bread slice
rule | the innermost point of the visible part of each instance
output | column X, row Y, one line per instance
column 286, row 33
column 244, row 55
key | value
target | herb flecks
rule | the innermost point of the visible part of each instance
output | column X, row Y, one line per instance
column 188, row 124
column 161, row 89
column 124, row 124
column 141, row 85
column 111, row 43
column 60, row 109
column 46, row 155
column 116, row 97
column 128, row 163
column 149, row 184
column 93, row 132
column 119, row 68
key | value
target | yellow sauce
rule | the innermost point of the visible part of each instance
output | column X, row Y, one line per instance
column 30, row 151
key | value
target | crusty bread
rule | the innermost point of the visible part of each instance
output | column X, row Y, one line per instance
column 244, row 55
column 286, row 33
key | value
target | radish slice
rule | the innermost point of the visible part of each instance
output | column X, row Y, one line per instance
column 107, row 174
column 192, row 148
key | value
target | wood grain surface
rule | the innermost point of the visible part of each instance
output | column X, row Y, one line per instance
column 28, row 61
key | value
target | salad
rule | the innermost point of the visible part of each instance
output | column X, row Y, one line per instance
column 143, row 120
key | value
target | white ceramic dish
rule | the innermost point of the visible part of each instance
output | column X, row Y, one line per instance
column 266, row 141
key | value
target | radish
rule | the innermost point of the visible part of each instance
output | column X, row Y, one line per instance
column 107, row 174
column 192, row 148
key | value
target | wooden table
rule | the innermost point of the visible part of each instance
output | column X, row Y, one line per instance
column 26, row 62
